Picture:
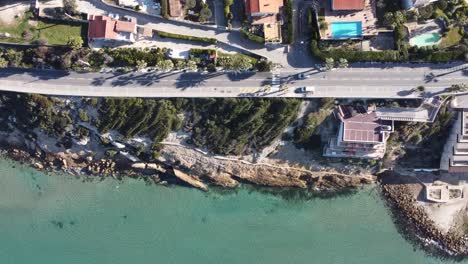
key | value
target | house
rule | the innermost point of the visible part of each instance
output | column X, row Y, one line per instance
column 106, row 29
column 362, row 134
column 347, row 19
column 267, row 15
column 175, row 8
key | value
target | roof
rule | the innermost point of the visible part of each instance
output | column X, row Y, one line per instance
column 347, row 4
column 362, row 126
column 106, row 28
column 175, row 8
column 263, row 6
column 272, row 32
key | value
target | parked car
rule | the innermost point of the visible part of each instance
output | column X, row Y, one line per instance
column 302, row 76
column 305, row 89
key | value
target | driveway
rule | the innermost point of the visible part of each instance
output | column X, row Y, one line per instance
column 229, row 40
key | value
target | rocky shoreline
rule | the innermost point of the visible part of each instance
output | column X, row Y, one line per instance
column 414, row 222
column 184, row 167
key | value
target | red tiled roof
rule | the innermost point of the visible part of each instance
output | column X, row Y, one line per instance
column 263, row 6
column 348, row 4
column 100, row 27
column 105, row 27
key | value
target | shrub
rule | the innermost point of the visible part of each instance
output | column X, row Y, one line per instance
column 163, row 34
column 251, row 36
column 165, row 9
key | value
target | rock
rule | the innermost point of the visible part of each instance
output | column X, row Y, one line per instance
column 39, row 165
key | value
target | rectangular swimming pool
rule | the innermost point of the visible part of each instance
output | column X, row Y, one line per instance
column 346, row 29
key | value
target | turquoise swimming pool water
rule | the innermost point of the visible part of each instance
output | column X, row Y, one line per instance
column 425, row 39
column 346, row 29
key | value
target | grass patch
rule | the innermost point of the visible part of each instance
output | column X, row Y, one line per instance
column 55, row 32
column 252, row 60
column 451, row 38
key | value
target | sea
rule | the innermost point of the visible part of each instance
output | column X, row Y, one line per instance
column 57, row 218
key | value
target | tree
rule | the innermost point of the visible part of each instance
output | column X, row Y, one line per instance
column 343, row 63
column 141, row 64
column 389, row 19
column 400, row 17
column 329, row 63
column 189, row 4
column 205, row 14
column 455, row 88
column 3, row 63
column 14, row 57
column 70, row 7
column 75, row 42
column 165, row 65
column 239, row 63
column 191, row 65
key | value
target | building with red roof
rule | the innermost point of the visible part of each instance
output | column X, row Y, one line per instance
column 348, row 4
column 266, row 13
column 105, row 28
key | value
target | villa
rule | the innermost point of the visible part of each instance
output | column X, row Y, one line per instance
column 347, row 19
column 267, row 15
column 362, row 134
column 104, row 29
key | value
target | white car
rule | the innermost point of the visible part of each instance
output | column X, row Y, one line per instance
column 302, row 76
column 305, row 89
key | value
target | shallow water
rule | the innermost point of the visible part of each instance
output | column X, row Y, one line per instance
column 61, row 219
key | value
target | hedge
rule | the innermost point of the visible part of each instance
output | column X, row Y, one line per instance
column 252, row 37
column 289, row 17
column 165, row 9
column 354, row 56
column 163, row 34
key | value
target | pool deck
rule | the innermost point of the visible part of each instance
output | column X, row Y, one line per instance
column 367, row 17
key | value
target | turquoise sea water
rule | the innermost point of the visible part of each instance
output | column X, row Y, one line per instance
column 61, row 219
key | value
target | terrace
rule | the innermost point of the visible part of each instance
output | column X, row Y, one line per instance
column 348, row 19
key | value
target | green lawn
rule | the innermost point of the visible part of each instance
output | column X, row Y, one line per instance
column 56, row 33
column 452, row 38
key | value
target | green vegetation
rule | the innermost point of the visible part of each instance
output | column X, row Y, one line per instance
column 54, row 32
column 165, row 9
column 205, row 13
column 252, row 37
column 163, row 34
column 306, row 135
column 34, row 110
column 234, row 126
column 224, row 126
column 236, row 62
column 451, row 38
column 136, row 116
column 227, row 11
column 288, row 13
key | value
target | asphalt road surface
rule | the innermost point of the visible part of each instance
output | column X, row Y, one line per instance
column 378, row 81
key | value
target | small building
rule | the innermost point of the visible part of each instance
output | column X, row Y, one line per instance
column 267, row 14
column 362, row 134
column 106, row 29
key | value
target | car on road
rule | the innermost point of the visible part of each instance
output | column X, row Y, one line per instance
column 305, row 89
column 302, row 76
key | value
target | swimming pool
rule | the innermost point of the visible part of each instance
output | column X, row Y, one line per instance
column 425, row 39
column 346, row 29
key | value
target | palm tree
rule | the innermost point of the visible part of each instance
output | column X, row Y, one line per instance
column 329, row 63
column 343, row 63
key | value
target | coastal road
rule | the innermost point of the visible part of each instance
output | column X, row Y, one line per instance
column 355, row 82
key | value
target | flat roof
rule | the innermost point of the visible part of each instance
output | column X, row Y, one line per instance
column 362, row 126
